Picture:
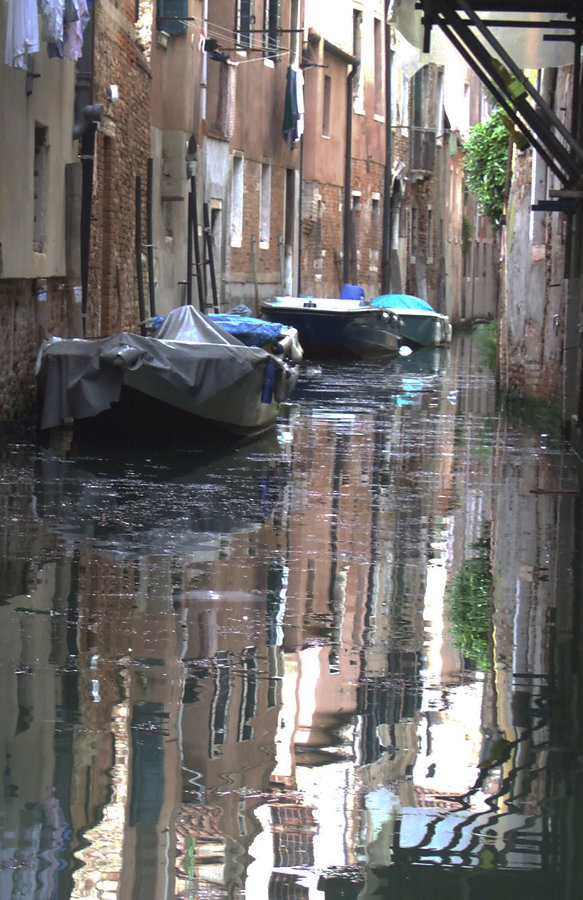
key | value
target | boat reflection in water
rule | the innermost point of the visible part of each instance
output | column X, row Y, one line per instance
column 247, row 677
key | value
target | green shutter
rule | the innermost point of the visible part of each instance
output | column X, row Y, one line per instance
column 171, row 16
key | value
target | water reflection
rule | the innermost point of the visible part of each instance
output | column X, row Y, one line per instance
column 237, row 676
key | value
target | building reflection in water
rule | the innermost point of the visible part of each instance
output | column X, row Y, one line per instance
column 245, row 678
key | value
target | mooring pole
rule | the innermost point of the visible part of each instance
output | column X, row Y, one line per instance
column 194, row 226
column 141, row 303
column 209, row 251
column 150, row 237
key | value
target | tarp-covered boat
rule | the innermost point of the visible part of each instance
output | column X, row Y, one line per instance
column 422, row 325
column 191, row 367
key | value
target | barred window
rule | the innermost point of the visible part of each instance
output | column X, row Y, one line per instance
column 244, row 22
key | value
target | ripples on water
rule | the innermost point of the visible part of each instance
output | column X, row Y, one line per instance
column 341, row 661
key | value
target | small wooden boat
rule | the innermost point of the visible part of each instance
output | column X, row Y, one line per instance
column 337, row 327
column 189, row 370
column 422, row 325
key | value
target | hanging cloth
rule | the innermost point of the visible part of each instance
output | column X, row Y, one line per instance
column 293, row 110
column 300, row 103
column 22, row 35
column 78, row 18
column 290, row 116
column 51, row 20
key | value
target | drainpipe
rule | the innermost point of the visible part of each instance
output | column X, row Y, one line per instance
column 300, row 194
column 387, row 205
column 347, row 224
column 349, row 59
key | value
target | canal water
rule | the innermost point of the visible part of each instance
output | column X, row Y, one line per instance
column 343, row 661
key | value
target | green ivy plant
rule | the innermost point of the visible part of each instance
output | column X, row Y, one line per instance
column 470, row 604
column 485, row 164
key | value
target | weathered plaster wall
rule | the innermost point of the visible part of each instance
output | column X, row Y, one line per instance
column 534, row 297
column 50, row 106
column 33, row 264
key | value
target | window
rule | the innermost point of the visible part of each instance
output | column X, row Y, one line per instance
column 326, row 109
column 271, row 24
column 290, row 206
column 414, row 224
column 429, row 234
column 265, row 211
column 295, row 38
column 244, row 22
column 41, row 152
column 403, row 221
column 358, row 80
column 405, row 91
column 375, row 229
column 172, row 16
column 219, row 717
column 423, row 131
column 248, row 707
column 379, row 74
column 237, row 203
column 318, row 234
column 439, row 111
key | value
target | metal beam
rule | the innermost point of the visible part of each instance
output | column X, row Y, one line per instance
column 520, row 99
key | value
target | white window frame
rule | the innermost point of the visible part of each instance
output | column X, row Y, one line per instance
column 265, row 206
column 237, row 194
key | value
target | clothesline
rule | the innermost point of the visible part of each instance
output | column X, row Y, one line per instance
column 231, row 36
column 278, row 55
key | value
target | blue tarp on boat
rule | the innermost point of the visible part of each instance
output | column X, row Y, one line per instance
column 250, row 331
column 401, row 301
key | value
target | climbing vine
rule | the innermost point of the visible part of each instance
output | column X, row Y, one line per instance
column 485, row 163
column 470, row 603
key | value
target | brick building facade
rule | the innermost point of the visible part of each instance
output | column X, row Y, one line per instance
column 121, row 150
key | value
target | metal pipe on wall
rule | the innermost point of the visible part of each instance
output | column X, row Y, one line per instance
column 388, row 188
column 347, row 223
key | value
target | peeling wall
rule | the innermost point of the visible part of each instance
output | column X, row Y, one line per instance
column 535, row 292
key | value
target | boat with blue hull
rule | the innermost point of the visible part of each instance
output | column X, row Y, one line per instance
column 422, row 325
column 337, row 328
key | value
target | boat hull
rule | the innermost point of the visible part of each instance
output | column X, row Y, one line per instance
column 422, row 326
column 425, row 330
column 337, row 328
column 199, row 372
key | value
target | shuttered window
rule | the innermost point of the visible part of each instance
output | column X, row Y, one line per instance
column 172, row 15
column 244, row 22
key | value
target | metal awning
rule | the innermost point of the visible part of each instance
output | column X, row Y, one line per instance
column 476, row 28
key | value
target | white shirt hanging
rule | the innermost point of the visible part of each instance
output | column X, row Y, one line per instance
column 22, row 35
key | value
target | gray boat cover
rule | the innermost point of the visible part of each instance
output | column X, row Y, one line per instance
column 81, row 377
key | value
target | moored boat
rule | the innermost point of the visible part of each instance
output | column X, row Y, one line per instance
column 190, row 370
column 422, row 325
column 337, row 327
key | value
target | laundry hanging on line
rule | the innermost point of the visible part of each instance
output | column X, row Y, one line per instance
column 293, row 111
column 57, row 23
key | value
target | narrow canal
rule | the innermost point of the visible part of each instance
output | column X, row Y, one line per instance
column 343, row 661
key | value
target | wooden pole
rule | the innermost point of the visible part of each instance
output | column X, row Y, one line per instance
column 210, row 257
column 141, row 303
column 194, row 227
column 150, row 237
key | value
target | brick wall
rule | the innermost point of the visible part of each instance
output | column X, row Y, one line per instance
column 121, row 153
column 323, row 233
column 25, row 320
column 321, row 224
column 242, row 269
